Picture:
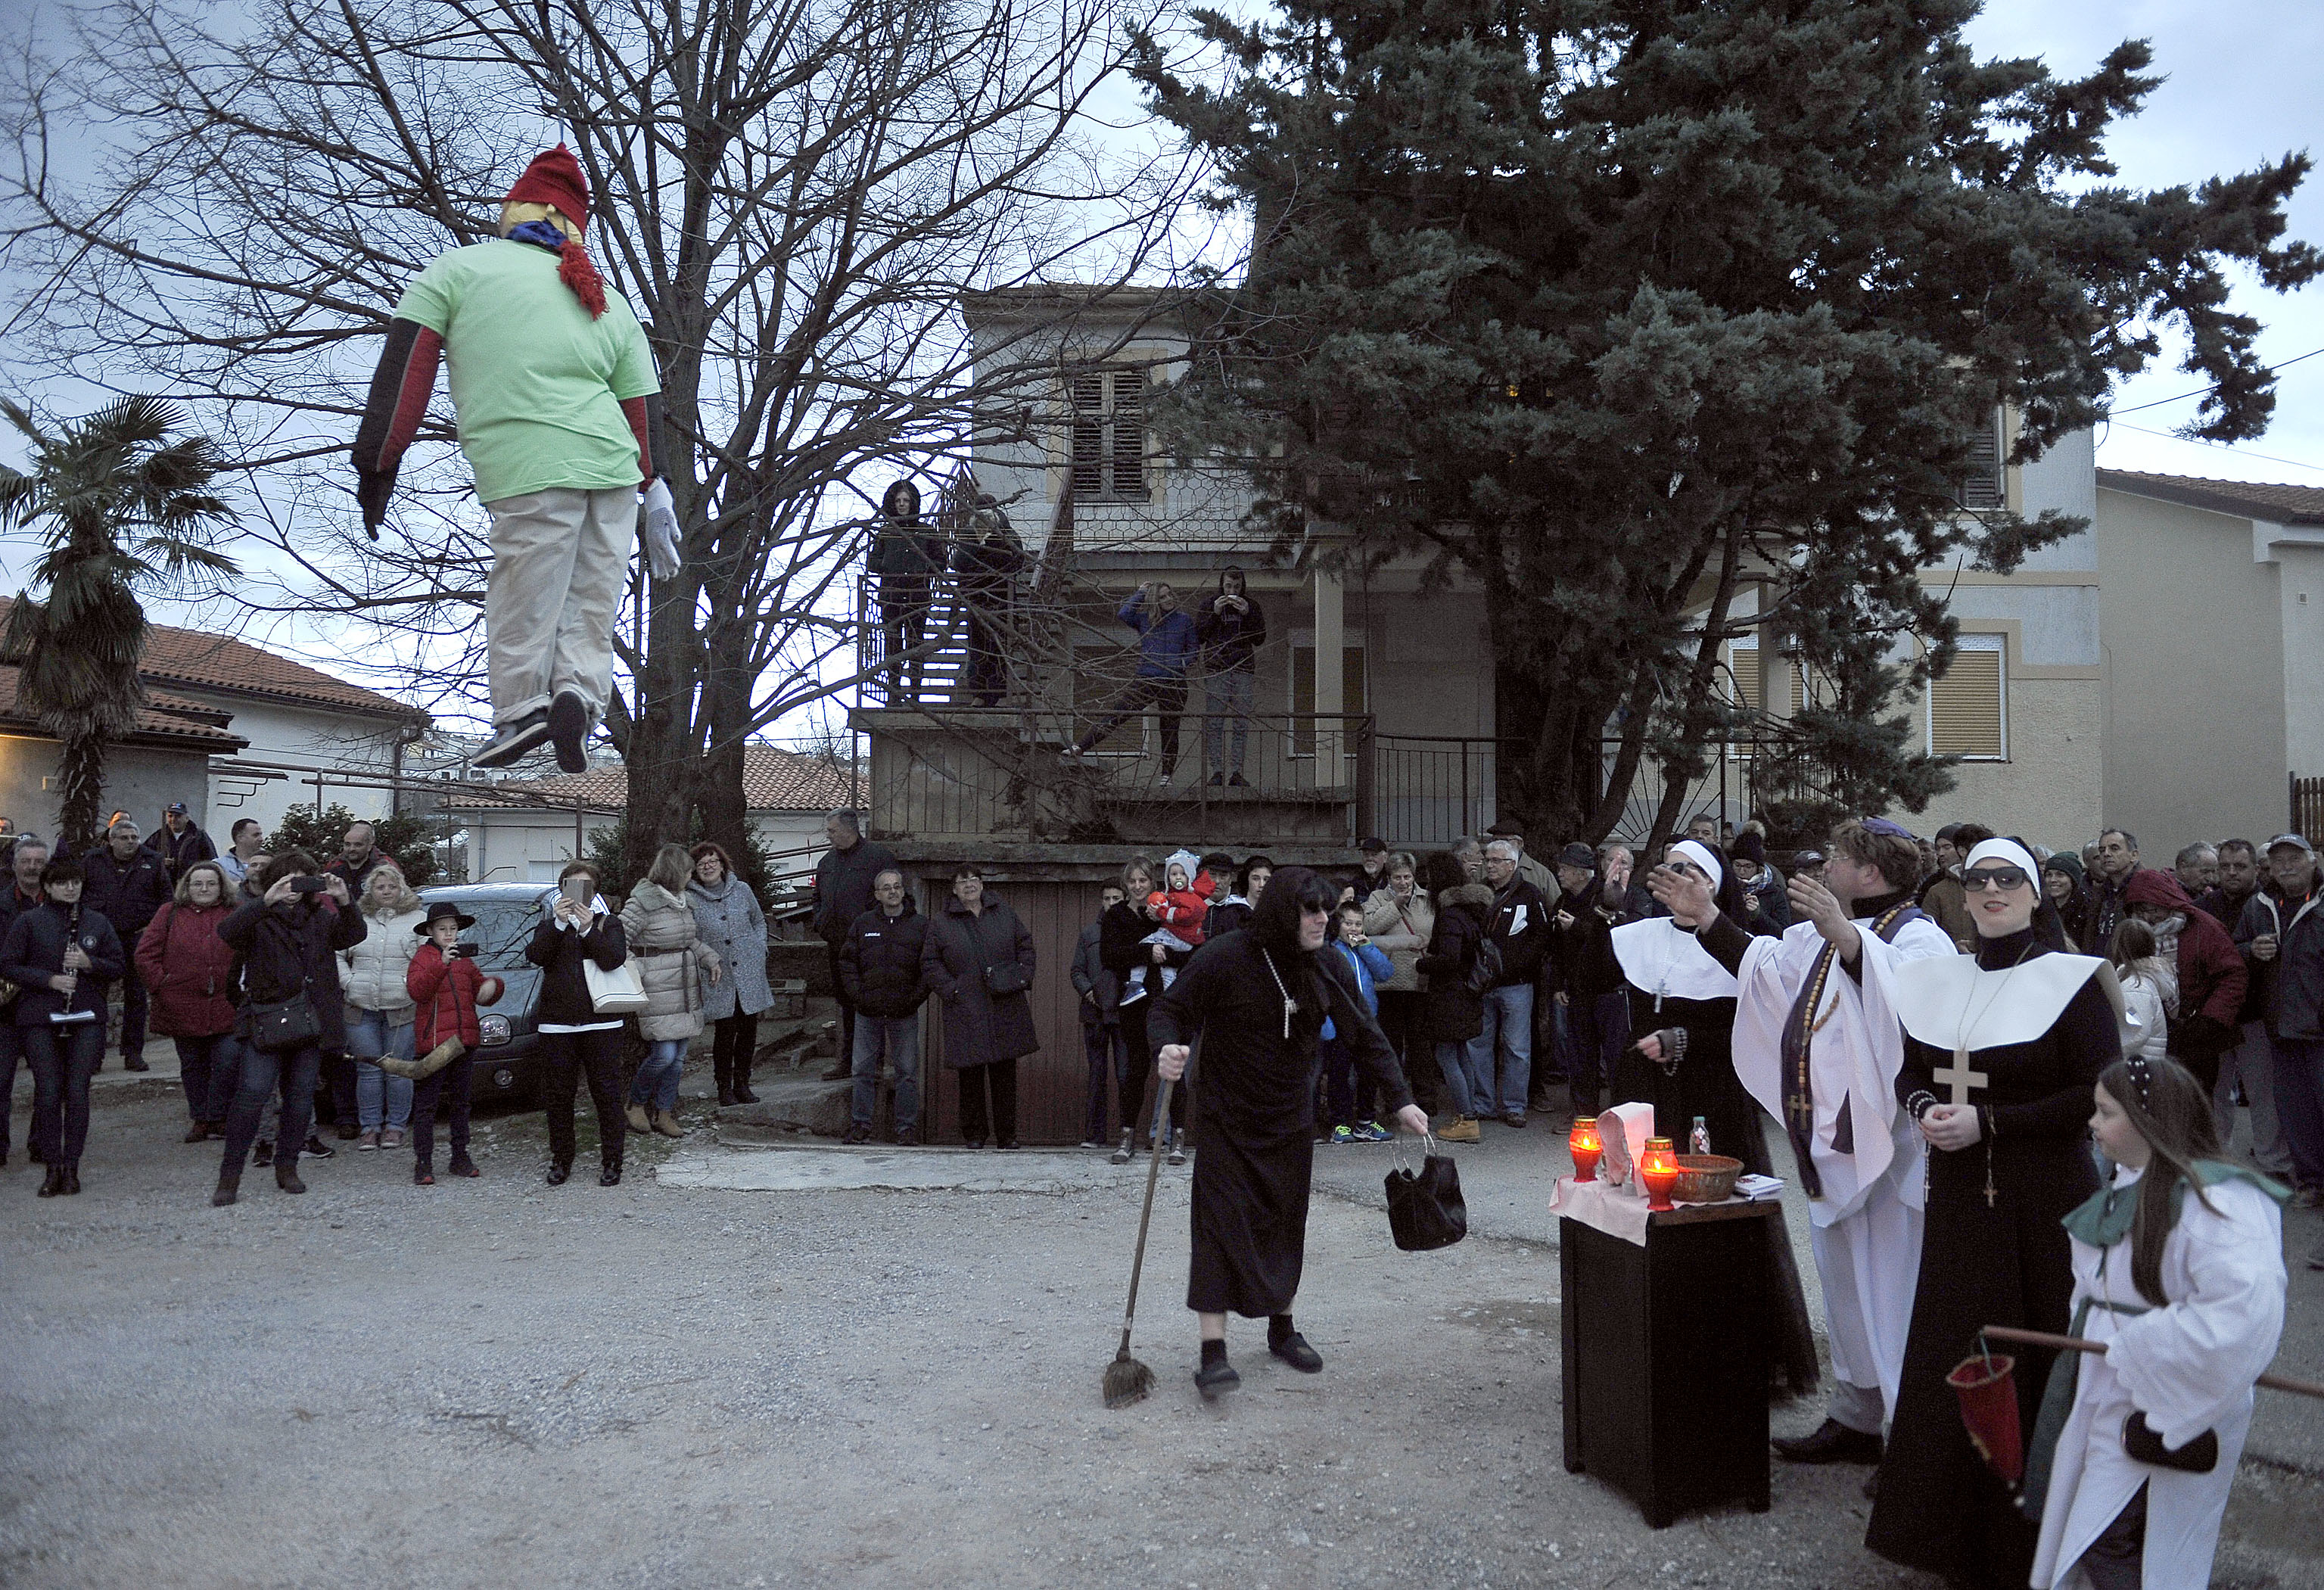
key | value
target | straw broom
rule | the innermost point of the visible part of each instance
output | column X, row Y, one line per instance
column 1127, row 1381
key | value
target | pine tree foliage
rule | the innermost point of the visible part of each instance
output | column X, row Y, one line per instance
column 1617, row 309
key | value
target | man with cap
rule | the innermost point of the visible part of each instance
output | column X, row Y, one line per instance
column 2282, row 936
column 558, row 407
column 1528, row 868
column 1374, row 865
column 179, row 843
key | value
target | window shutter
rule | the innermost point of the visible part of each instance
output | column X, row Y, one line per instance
column 1128, row 438
column 1088, row 396
column 1981, row 488
column 1967, row 704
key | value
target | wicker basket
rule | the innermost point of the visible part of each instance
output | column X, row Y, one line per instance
column 1705, row 1178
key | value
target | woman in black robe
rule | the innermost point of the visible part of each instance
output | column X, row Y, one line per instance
column 2037, row 1026
column 1681, row 1061
column 1261, row 994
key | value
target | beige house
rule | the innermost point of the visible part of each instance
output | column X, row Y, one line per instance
column 525, row 829
column 2213, row 638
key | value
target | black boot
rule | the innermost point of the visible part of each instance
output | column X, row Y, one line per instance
column 72, row 1178
column 723, row 1069
column 52, row 1183
column 286, row 1176
column 610, row 1174
column 229, row 1187
column 558, row 1170
column 742, row 1094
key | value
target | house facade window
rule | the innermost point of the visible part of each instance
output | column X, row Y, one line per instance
column 1968, row 703
column 1983, row 488
column 1107, row 434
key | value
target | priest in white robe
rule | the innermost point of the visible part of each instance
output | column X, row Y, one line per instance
column 1817, row 1045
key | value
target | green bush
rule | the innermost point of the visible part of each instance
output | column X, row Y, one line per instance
column 408, row 837
column 608, row 845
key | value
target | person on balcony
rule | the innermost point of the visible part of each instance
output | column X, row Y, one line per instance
column 985, row 563
column 907, row 555
column 1230, row 629
column 1165, row 647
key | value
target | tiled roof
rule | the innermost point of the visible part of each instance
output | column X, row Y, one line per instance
column 189, row 659
column 2278, row 504
column 197, row 729
column 773, row 780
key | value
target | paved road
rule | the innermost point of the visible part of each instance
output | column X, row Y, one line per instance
column 676, row 1384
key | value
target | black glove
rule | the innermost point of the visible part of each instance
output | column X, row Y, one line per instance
column 372, row 489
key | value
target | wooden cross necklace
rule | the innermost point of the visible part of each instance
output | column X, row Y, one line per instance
column 1959, row 1076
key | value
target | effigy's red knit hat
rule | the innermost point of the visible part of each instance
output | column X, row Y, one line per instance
column 554, row 178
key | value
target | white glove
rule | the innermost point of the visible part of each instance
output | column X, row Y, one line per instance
column 661, row 532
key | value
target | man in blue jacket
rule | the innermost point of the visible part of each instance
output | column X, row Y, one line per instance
column 1165, row 647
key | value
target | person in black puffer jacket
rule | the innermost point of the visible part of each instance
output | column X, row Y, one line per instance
column 62, row 954
column 880, row 968
column 288, row 943
column 1456, row 1010
column 575, row 1037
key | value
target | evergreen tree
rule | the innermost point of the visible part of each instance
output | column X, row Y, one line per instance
column 1618, row 308
column 121, row 500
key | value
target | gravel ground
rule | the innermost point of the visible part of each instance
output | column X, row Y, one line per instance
column 498, row 1383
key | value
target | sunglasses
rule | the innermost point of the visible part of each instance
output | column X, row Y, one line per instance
column 1685, row 868
column 2002, row 878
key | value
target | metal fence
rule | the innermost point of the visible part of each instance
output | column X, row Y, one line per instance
column 2308, row 807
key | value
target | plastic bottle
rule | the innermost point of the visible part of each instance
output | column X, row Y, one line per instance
column 1698, row 1141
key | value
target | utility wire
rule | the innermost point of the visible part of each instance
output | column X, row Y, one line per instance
column 2201, row 391
column 2268, row 457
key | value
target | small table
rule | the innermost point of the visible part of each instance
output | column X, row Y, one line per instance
column 1665, row 1350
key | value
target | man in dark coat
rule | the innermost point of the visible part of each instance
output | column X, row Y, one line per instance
column 907, row 555
column 880, row 970
column 126, row 885
column 180, row 844
column 1260, row 996
column 843, row 893
column 979, row 960
column 21, row 893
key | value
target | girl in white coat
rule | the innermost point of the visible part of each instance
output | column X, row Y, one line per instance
column 2178, row 1269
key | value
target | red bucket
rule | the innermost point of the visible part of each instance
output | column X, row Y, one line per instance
column 1989, row 1405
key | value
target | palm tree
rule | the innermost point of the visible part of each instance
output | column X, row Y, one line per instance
column 121, row 500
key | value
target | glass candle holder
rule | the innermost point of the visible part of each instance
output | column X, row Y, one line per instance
column 1658, row 1169
column 1583, row 1143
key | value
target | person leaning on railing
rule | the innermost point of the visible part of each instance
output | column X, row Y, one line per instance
column 907, row 555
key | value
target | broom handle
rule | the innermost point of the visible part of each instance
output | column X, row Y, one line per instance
column 1153, row 1174
column 2042, row 1339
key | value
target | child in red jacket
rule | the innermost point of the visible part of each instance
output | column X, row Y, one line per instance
column 444, row 982
column 1184, row 899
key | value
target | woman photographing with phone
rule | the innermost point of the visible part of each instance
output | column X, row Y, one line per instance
column 578, row 931
column 288, row 941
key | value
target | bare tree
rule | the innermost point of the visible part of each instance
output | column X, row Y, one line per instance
column 792, row 195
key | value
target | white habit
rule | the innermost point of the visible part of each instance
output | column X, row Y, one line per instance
column 2188, row 1367
column 1866, row 1225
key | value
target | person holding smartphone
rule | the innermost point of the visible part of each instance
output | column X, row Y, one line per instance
column 447, row 987
column 287, row 941
column 575, row 1037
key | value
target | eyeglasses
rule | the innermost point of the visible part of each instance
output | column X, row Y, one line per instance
column 2002, row 878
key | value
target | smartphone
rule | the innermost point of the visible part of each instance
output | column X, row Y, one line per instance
column 579, row 890
column 309, row 884
column 464, row 948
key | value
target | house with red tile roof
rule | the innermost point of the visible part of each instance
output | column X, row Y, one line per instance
column 525, row 829
column 281, row 723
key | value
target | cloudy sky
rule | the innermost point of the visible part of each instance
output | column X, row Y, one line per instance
column 2243, row 87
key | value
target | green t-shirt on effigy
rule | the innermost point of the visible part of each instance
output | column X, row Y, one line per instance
column 537, row 385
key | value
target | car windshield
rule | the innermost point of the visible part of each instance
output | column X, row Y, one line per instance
column 503, row 928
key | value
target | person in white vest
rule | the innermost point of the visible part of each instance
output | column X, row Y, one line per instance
column 1817, row 1045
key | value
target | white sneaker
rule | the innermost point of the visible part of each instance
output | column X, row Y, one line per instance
column 1166, row 780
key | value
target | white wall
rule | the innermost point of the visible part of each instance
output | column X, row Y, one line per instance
column 138, row 780
column 309, row 737
column 529, row 846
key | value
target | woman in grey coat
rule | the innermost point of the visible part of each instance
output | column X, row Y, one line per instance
column 978, row 959
column 726, row 915
column 675, row 966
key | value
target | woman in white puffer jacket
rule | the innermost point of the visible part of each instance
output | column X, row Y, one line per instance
column 380, row 1011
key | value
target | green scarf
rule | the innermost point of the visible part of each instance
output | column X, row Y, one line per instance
column 2102, row 1220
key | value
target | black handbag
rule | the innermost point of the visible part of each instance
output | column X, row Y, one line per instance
column 1007, row 977
column 285, row 1024
column 1425, row 1210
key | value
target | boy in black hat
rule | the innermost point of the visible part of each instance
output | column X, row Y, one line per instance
column 445, row 984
